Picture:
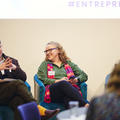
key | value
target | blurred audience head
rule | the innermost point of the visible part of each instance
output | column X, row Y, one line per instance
column 114, row 80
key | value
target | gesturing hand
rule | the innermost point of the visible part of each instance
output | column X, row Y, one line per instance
column 7, row 64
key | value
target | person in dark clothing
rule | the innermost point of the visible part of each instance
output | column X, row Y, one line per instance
column 13, row 91
column 10, row 68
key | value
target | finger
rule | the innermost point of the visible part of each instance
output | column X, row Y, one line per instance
column 76, row 80
column 64, row 78
column 7, row 68
column 8, row 60
column 68, row 80
column 8, row 65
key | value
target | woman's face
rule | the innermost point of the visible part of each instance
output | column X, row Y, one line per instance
column 51, row 52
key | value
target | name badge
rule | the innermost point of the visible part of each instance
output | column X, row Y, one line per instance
column 51, row 72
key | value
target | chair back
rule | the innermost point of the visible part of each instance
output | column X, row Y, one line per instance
column 39, row 94
column 29, row 111
column 39, row 89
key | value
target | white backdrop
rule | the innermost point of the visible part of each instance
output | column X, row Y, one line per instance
column 59, row 9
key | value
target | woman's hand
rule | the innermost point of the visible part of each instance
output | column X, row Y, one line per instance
column 64, row 78
column 73, row 81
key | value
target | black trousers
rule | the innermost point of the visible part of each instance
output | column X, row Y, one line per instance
column 63, row 92
column 13, row 94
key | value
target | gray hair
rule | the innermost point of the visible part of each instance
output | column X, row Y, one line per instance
column 62, row 54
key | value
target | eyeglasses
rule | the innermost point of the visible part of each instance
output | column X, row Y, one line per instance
column 49, row 50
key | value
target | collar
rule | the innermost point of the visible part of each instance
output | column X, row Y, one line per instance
column 4, row 56
column 2, row 61
column 50, row 62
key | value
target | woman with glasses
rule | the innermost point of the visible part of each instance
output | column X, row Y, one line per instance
column 60, row 76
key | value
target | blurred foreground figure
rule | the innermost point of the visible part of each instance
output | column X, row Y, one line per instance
column 107, row 106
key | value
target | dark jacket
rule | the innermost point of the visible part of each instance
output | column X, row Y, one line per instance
column 18, row 73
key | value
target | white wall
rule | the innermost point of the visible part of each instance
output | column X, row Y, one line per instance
column 92, row 44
